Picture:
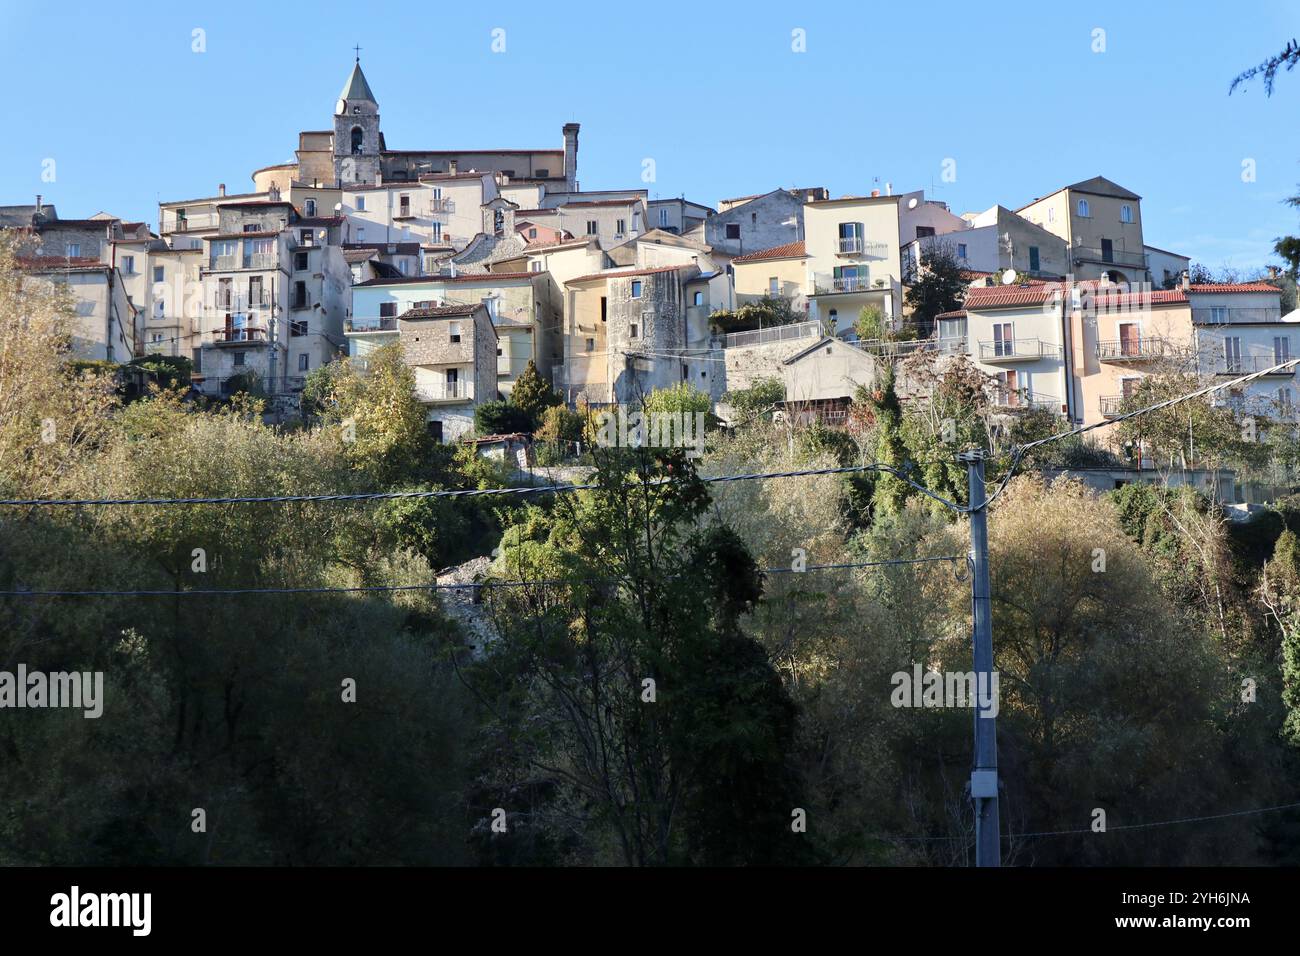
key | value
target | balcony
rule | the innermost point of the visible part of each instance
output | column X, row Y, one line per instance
column 258, row 260
column 1133, row 351
column 441, row 207
column 195, row 223
column 1111, row 405
column 830, row 284
column 444, row 391
column 857, row 246
column 1017, row 350
column 241, row 335
column 1111, row 257
column 1022, row 399
column 382, row 323
column 1235, row 316
column 1248, row 364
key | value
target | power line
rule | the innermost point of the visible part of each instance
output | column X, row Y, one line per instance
column 475, row 585
column 452, row 493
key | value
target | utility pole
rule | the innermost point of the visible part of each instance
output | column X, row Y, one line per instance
column 984, row 775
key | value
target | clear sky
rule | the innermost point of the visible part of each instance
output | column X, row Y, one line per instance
column 712, row 92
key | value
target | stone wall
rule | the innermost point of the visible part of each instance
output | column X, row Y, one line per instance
column 745, row 366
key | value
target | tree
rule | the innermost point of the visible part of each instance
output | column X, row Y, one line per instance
column 890, row 491
column 1268, row 69
column 501, row 418
column 871, row 325
column 682, row 398
column 758, row 399
column 532, row 395
column 764, row 313
column 939, row 286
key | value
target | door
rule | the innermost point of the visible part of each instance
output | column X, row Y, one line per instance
column 1107, row 251
column 1130, row 339
column 1232, row 354
column 453, row 383
column 1011, row 386
column 1003, row 341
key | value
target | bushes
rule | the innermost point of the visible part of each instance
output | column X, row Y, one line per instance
column 501, row 418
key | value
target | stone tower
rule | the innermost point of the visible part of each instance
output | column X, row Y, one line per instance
column 356, row 131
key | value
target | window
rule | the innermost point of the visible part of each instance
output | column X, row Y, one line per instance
column 851, row 236
column 733, row 230
column 924, row 232
column 591, row 345
column 1033, row 259
column 300, row 263
column 155, row 338
column 305, row 237
column 1083, row 208
column 591, row 227
column 240, row 357
column 1004, row 342
column 663, row 216
column 961, row 250
column 453, row 329
column 158, row 274
column 298, row 328
column 74, row 250
column 699, row 298
column 604, row 308
column 361, row 235
column 636, row 288
column 1284, row 401
column 358, row 140
column 300, row 295
column 196, row 356
column 542, row 172
column 255, row 291
column 620, row 227
column 303, row 361
column 404, row 205
column 532, row 232
column 1281, row 349
column 753, row 217
column 361, row 204
column 773, row 286
column 404, row 265
column 387, row 310
column 632, row 332
column 309, row 207
column 356, row 272
column 435, row 229
column 535, row 265
column 1232, row 354
column 128, row 265
column 1051, row 214
column 1218, row 314
column 1126, row 213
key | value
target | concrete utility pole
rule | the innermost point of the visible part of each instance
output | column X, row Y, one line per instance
column 984, row 775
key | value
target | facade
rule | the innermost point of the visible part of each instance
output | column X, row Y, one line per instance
column 996, row 240
column 678, row 216
column 452, row 350
column 1016, row 335
column 519, row 306
column 853, row 259
column 755, row 223
column 1240, row 329
column 779, row 271
column 1101, row 222
column 821, row 380
column 1167, row 268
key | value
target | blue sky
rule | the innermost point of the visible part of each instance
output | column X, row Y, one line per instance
column 1012, row 92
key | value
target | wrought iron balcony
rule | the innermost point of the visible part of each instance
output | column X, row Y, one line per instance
column 1247, row 364
column 1115, row 257
column 381, row 323
column 1017, row 350
column 1133, row 350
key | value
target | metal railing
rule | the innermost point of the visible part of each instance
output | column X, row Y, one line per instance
column 444, row 391
column 382, row 323
column 1128, row 350
column 830, row 284
column 857, row 246
column 1253, row 363
column 233, row 335
column 1011, row 350
column 778, row 333
column 195, row 223
column 1226, row 316
column 1117, row 257
column 1023, row 398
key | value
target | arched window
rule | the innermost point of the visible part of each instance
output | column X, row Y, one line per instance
column 357, row 137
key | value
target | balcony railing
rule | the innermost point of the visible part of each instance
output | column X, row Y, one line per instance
column 1023, row 398
column 444, row 391
column 1116, row 257
column 857, row 246
column 257, row 260
column 1133, row 350
column 1235, row 316
column 1112, row 405
column 779, row 333
column 195, row 223
column 441, row 207
column 1017, row 350
column 240, row 335
column 1254, row 363
column 830, row 284
column 381, row 323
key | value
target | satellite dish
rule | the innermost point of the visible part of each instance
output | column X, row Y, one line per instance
column 911, row 203
column 1009, row 277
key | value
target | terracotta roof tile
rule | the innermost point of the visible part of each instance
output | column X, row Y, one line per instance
column 441, row 311
column 1215, row 287
column 625, row 273
column 791, row 250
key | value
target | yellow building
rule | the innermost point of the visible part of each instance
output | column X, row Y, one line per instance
column 779, row 271
column 1101, row 223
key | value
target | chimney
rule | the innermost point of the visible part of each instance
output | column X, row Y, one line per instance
column 1185, row 280
column 875, row 193
column 40, row 206
column 451, row 167
column 379, row 178
column 221, row 189
column 571, row 156
column 889, row 189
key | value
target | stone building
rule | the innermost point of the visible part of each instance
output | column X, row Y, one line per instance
column 452, row 349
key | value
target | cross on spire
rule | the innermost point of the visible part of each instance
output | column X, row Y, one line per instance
column 357, row 50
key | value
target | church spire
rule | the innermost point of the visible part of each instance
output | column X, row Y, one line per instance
column 356, row 88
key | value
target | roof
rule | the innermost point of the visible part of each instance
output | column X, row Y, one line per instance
column 442, row 311
column 356, row 88
column 625, row 273
column 1104, row 300
column 601, row 202
column 485, row 277
column 791, row 250
column 1166, row 252
column 955, row 314
column 1003, row 296
column 352, row 256
column 1211, row 288
column 1097, row 186
column 59, row 264
column 824, row 340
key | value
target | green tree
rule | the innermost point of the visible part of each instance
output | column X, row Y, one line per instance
column 871, row 325
column 532, row 395
column 501, row 418
column 938, row 286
